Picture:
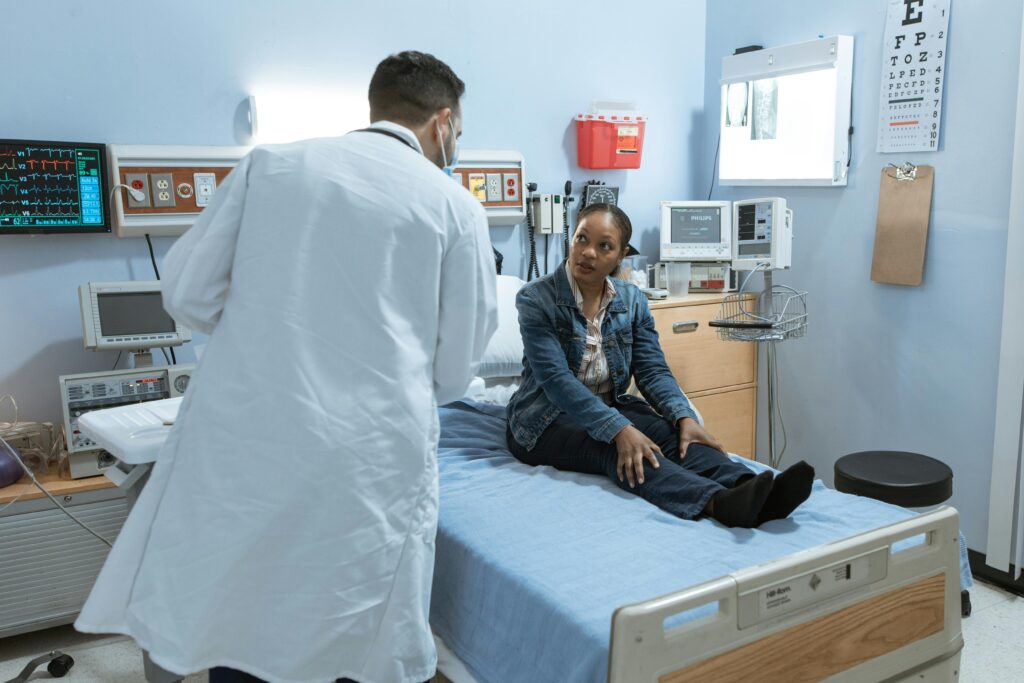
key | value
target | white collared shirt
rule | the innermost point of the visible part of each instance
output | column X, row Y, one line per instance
column 594, row 372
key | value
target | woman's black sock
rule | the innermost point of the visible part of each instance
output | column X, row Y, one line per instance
column 741, row 505
column 790, row 489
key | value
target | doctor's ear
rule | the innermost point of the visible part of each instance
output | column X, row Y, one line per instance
column 442, row 117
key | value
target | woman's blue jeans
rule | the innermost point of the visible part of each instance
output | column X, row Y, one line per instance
column 681, row 488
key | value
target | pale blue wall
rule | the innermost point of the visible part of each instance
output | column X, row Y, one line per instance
column 882, row 366
column 128, row 72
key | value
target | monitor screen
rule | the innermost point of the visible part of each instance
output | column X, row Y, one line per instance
column 52, row 187
column 696, row 225
column 133, row 313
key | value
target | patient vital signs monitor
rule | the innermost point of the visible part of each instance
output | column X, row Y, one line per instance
column 127, row 316
column 50, row 187
column 763, row 234
column 696, row 231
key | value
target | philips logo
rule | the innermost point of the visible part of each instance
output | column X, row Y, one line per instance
column 701, row 218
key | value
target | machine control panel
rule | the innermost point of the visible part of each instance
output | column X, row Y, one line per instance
column 83, row 393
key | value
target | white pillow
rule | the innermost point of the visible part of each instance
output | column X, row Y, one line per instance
column 497, row 390
column 504, row 354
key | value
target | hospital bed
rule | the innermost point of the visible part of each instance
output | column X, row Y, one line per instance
column 549, row 576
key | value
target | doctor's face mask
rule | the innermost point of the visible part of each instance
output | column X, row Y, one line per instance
column 448, row 166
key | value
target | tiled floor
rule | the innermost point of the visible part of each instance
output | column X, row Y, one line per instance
column 993, row 637
column 993, row 647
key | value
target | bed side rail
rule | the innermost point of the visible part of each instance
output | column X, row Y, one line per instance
column 841, row 609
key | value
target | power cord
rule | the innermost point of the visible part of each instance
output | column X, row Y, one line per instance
column 152, row 257
column 31, row 475
column 137, row 195
column 714, row 165
column 20, row 429
column 156, row 271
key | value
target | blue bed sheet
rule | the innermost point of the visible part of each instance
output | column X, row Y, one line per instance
column 531, row 562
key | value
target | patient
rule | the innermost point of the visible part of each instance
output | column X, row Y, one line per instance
column 585, row 337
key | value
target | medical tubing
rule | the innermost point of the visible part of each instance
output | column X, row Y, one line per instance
column 39, row 486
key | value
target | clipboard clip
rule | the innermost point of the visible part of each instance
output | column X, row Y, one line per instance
column 905, row 171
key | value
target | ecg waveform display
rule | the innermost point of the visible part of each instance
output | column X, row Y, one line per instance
column 52, row 187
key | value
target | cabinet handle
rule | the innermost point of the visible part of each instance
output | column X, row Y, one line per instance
column 686, row 326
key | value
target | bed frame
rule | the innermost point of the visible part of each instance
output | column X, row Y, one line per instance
column 871, row 615
column 852, row 610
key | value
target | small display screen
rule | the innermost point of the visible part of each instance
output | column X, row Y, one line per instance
column 696, row 225
column 133, row 313
column 52, row 187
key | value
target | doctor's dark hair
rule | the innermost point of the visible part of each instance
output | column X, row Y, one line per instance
column 410, row 86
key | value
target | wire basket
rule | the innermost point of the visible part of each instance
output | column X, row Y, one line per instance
column 777, row 313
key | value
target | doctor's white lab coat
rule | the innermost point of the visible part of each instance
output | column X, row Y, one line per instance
column 288, row 526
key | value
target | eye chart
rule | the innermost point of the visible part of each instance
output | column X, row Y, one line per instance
column 913, row 75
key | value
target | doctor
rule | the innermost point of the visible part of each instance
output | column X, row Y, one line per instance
column 347, row 285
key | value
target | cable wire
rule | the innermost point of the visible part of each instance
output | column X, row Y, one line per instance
column 714, row 165
column 156, row 271
column 152, row 256
column 16, row 428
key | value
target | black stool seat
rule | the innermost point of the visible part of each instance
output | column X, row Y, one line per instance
column 905, row 479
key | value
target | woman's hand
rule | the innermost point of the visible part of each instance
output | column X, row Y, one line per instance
column 634, row 447
column 690, row 431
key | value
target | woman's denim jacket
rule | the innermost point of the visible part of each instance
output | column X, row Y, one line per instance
column 554, row 333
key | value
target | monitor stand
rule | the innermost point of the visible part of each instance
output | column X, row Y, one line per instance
column 142, row 358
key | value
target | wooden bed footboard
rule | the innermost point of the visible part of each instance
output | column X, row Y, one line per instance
column 852, row 610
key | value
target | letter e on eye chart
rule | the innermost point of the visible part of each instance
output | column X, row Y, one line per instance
column 913, row 75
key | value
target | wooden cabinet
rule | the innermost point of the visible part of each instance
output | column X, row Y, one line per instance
column 719, row 377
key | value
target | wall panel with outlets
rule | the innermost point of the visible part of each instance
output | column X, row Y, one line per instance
column 175, row 182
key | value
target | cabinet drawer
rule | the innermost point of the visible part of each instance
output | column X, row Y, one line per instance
column 698, row 358
column 729, row 417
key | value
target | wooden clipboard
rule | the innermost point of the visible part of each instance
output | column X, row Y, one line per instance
column 901, row 230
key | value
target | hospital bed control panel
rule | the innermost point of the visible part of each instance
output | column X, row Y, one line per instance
column 810, row 588
column 83, row 393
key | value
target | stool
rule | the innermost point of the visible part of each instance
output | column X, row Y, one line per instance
column 904, row 479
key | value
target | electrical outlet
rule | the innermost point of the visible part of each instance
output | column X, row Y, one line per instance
column 205, row 183
column 140, row 182
column 494, row 187
column 163, row 192
column 511, row 187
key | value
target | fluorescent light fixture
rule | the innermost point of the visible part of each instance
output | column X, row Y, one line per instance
column 785, row 114
column 284, row 115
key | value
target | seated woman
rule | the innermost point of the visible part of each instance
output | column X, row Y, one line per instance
column 585, row 337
